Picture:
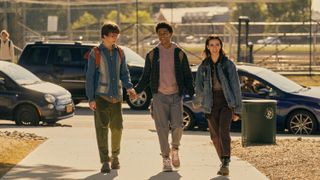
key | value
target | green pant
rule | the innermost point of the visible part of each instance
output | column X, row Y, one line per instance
column 108, row 115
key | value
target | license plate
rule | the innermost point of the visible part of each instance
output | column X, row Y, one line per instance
column 69, row 108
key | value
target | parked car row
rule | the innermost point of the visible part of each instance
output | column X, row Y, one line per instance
column 65, row 64
column 298, row 107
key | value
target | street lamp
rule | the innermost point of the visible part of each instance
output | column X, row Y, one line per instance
column 137, row 27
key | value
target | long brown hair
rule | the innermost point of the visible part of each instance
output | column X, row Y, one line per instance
column 207, row 51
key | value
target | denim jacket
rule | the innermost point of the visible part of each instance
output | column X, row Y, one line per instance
column 229, row 79
column 108, row 78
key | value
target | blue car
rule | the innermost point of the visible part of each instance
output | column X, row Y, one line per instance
column 298, row 107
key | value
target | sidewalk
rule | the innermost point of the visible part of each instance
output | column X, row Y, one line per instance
column 71, row 153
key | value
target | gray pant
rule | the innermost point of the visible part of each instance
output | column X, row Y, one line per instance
column 166, row 110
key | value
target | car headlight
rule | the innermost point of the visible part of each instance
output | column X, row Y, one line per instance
column 49, row 98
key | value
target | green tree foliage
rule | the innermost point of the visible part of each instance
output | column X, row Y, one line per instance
column 292, row 11
column 255, row 11
column 144, row 17
column 86, row 19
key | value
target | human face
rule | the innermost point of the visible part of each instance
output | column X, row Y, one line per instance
column 214, row 46
column 110, row 39
column 164, row 36
column 4, row 36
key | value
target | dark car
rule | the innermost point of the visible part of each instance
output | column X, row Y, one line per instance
column 27, row 100
column 65, row 64
column 298, row 107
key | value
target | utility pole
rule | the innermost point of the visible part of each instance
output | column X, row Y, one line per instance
column 5, row 14
column 69, row 21
column 310, row 39
column 137, row 27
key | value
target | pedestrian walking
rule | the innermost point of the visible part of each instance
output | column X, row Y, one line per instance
column 6, row 47
column 168, row 74
column 106, row 68
column 217, row 91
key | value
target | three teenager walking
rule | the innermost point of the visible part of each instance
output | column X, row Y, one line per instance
column 167, row 73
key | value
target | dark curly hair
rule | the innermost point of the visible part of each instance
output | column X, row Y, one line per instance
column 164, row 25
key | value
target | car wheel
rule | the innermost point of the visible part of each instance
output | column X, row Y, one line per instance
column 188, row 119
column 302, row 122
column 27, row 115
column 142, row 102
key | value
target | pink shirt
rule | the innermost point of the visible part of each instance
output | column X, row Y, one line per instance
column 167, row 83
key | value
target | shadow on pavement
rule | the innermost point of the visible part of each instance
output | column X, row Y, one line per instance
column 86, row 111
column 100, row 176
column 42, row 172
column 174, row 175
column 43, row 125
column 220, row 178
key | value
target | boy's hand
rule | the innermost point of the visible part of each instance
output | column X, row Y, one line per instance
column 132, row 94
column 92, row 105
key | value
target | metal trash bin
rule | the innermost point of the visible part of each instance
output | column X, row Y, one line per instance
column 258, row 122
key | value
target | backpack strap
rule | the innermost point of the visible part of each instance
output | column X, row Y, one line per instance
column 121, row 53
column 97, row 55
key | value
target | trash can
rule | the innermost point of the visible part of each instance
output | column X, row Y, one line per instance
column 258, row 122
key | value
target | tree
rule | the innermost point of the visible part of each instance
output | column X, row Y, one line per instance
column 255, row 11
column 144, row 17
column 85, row 20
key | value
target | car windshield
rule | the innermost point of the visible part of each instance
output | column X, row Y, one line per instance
column 20, row 75
column 132, row 58
column 279, row 81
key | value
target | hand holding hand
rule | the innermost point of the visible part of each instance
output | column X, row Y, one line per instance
column 235, row 117
column 132, row 94
column 92, row 105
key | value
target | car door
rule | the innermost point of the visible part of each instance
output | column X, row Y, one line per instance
column 8, row 97
column 70, row 65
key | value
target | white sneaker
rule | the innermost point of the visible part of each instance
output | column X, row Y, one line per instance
column 175, row 158
column 167, row 165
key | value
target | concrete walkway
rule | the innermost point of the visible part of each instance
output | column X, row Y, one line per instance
column 71, row 153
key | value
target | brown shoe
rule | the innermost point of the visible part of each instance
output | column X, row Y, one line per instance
column 115, row 163
column 224, row 169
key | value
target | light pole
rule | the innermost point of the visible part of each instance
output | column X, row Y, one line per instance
column 137, row 27
column 310, row 39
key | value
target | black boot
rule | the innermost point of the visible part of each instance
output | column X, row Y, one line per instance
column 224, row 168
column 105, row 168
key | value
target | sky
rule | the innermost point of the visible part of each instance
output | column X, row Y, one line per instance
column 316, row 5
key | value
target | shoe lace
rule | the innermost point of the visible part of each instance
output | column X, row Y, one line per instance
column 166, row 162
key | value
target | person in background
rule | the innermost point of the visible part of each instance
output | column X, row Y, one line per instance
column 104, row 92
column 217, row 90
column 6, row 47
column 167, row 73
